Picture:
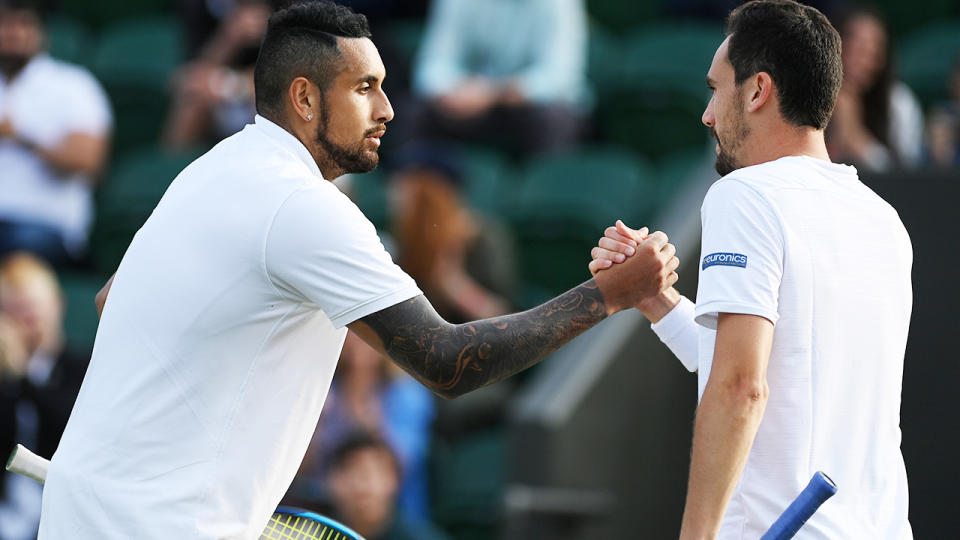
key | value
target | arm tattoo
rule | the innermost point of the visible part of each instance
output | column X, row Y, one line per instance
column 455, row 359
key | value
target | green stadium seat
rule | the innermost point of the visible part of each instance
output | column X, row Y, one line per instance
column 68, row 40
column 369, row 192
column 134, row 60
column 605, row 68
column 128, row 196
column 102, row 13
column 652, row 99
column 486, row 179
column 905, row 17
column 676, row 169
column 80, row 319
column 926, row 58
column 621, row 15
column 405, row 35
column 562, row 206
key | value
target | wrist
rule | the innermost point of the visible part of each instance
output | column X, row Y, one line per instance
column 657, row 307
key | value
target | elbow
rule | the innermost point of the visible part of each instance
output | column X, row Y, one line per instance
column 447, row 393
column 750, row 392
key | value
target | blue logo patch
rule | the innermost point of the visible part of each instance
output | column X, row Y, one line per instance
column 724, row 259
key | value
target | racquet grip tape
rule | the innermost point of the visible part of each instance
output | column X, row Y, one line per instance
column 820, row 488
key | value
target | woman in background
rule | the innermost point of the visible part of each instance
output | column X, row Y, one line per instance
column 877, row 124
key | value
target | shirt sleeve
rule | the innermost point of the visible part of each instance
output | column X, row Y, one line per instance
column 557, row 69
column 91, row 111
column 323, row 250
column 680, row 334
column 741, row 259
column 439, row 67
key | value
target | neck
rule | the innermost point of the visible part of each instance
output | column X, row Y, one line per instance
column 307, row 138
column 773, row 144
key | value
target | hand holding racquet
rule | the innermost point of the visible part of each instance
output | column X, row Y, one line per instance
column 284, row 524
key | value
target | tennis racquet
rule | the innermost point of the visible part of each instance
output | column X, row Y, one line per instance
column 820, row 488
column 285, row 524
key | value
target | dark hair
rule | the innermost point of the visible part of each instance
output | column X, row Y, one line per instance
column 301, row 41
column 798, row 47
column 876, row 98
column 40, row 8
column 357, row 441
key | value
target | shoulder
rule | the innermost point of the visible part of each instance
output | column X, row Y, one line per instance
column 738, row 187
column 70, row 75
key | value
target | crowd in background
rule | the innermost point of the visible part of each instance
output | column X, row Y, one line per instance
column 505, row 75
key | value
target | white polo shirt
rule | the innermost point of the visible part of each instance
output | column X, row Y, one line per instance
column 216, row 348
column 803, row 243
column 47, row 101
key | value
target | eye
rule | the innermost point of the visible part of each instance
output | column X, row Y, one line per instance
column 365, row 88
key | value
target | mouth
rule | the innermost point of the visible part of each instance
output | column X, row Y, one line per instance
column 374, row 136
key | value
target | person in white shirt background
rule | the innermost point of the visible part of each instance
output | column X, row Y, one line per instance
column 221, row 328
column 803, row 303
column 55, row 125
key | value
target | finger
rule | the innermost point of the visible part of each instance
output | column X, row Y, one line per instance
column 613, row 245
column 606, row 254
column 613, row 234
column 673, row 264
column 671, row 279
column 630, row 233
column 599, row 264
column 656, row 240
column 668, row 250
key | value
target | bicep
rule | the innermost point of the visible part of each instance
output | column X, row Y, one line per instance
column 742, row 349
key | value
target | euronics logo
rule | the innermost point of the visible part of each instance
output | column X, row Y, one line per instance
column 724, row 259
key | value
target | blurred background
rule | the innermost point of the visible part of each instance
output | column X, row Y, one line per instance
column 523, row 128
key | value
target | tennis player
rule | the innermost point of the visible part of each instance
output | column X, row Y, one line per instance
column 225, row 319
column 804, row 299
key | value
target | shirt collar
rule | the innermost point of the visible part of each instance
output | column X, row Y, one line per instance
column 286, row 139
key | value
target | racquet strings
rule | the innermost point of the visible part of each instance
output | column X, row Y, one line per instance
column 283, row 526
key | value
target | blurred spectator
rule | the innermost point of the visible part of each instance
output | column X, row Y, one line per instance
column 944, row 126
column 363, row 480
column 370, row 393
column 55, row 125
column 878, row 123
column 463, row 262
column 505, row 71
column 39, row 381
column 213, row 94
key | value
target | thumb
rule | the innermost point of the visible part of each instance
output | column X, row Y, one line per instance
column 631, row 233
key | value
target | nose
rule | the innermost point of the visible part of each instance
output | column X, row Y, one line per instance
column 384, row 111
column 708, row 118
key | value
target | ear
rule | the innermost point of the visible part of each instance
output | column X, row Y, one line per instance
column 758, row 91
column 305, row 99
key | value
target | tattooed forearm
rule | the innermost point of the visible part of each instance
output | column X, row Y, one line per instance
column 455, row 359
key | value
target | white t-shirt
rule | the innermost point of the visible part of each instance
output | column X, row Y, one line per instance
column 803, row 243
column 47, row 101
column 216, row 348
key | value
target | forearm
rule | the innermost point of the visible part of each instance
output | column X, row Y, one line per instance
column 727, row 422
column 455, row 359
column 78, row 153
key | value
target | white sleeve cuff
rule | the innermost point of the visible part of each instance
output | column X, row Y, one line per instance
column 678, row 331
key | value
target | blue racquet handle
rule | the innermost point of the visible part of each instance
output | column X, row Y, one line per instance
column 820, row 488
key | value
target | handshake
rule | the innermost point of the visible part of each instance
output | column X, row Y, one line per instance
column 635, row 269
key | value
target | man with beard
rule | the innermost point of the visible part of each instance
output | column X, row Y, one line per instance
column 54, row 138
column 223, row 323
column 803, row 304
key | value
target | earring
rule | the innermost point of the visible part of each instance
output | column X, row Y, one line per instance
column 309, row 117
